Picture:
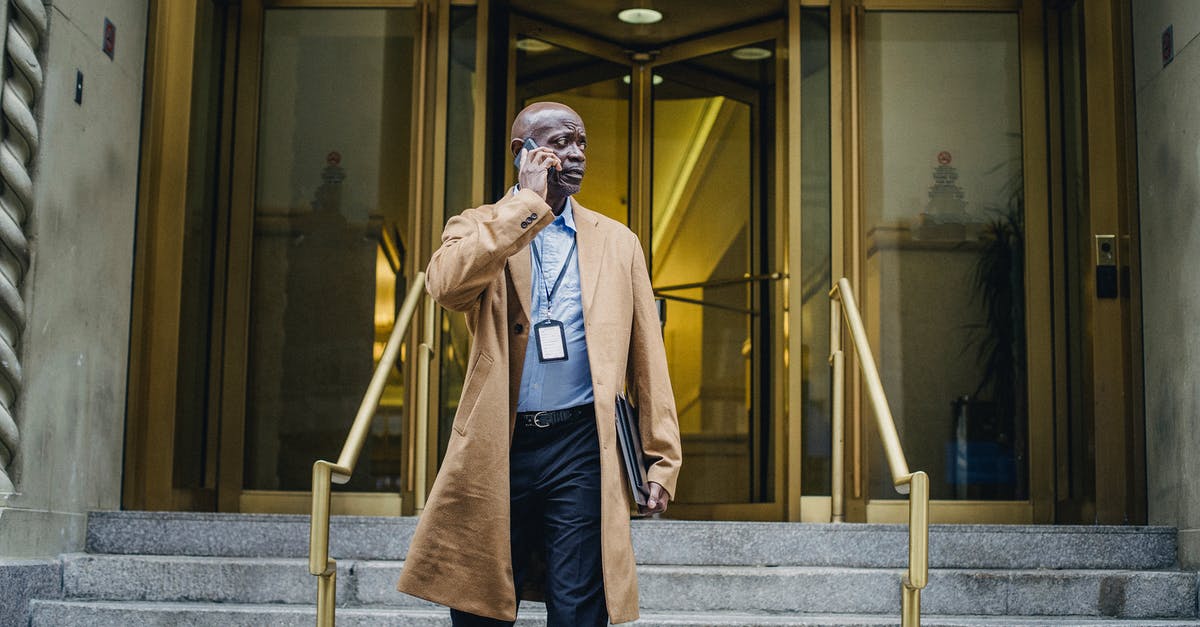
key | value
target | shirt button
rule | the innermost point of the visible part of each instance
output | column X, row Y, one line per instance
column 518, row 328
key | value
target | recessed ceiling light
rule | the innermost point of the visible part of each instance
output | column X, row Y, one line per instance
column 529, row 44
column 639, row 16
column 657, row 79
column 751, row 53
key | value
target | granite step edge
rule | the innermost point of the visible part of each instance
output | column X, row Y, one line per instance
column 114, row 614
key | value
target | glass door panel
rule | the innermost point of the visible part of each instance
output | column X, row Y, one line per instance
column 711, row 235
column 330, row 232
column 815, row 253
column 943, row 246
column 710, row 251
column 599, row 91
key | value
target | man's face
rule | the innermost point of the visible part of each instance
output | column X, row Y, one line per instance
column 562, row 131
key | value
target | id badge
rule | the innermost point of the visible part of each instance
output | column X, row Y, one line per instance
column 551, row 340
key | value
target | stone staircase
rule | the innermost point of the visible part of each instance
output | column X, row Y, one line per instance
column 243, row 569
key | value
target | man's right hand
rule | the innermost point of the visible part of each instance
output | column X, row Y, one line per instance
column 535, row 168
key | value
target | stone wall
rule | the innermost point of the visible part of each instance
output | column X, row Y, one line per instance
column 1168, row 123
column 75, row 348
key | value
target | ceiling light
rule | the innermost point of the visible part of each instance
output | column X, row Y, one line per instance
column 529, row 44
column 657, row 80
column 751, row 53
column 639, row 16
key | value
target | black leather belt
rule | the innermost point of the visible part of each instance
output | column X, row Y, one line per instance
column 554, row 418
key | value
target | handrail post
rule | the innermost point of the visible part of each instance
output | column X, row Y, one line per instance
column 918, row 529
column 422, row 440
column 837, row 359
column 319, row 563
column 327, row 599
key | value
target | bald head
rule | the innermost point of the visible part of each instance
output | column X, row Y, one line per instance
column 555, row 126
column 540, row 115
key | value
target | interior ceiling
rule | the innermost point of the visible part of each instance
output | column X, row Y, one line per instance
column 682, row 19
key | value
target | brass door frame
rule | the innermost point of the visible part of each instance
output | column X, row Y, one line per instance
column 641, row 67
column 154, row 349
column 847, row 202
column 153, row 368
column 1113, row 377
column 426, row 186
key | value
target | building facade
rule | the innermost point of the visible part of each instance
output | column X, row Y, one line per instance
column 222, row 218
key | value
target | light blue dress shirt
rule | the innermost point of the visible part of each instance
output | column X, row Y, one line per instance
column 556, row 384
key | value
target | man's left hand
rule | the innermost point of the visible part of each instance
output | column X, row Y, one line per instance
column 658, row 501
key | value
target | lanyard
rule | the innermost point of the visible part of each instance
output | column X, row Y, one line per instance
column 537, row 256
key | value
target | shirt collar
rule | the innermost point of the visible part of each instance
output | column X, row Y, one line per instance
column 567, row 216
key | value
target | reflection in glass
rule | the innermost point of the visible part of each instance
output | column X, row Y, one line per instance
column 593, row 88
column 195, row 441
column 943, row 211
column 1076, row 446
column 815, row 252
column 329, row 241
column 463, row 80
column 710, row 226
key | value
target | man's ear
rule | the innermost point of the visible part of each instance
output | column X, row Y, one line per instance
column 515, row 146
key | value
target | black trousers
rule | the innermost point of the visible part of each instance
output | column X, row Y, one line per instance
column 555, row 490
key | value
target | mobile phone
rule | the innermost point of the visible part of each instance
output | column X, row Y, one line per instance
column 529, row 145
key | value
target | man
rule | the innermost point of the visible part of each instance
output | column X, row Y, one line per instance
column 530, row 501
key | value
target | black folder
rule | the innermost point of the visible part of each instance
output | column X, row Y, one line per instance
column 633, row 457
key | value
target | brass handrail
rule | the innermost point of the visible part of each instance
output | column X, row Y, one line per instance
column 915, row 484
column 325, row 474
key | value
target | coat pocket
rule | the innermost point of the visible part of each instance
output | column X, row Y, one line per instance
column 476, row 378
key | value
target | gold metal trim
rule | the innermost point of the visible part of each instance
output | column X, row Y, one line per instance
column 236, row 315
column 940, row 5
column 526, row 25
column 479, row 152
column 1111, row 194
column 162, row 193
column 426, row 354
column 761, row 512
column 838, row 149
column 340, row 4
column 341, row 503
column 719, row 42
column 793, row 300
column 1038, row 269
column 837, row 360
column 854, row 235
column 895, row 511
column 641, row 211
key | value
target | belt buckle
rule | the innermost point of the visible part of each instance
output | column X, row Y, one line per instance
column 537, row 421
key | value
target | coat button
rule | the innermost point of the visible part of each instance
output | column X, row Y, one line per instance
column 518, row 328
column 525, row 224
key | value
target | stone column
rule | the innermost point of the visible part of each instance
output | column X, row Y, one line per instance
column 22, row 90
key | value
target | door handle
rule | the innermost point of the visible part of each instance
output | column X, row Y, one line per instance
column 1106, row 266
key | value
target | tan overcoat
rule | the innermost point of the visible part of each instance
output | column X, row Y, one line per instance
column 460, row 555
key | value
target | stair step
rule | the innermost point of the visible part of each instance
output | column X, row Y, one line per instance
column 664, row 542
column 1123, row 593
column 124, row 613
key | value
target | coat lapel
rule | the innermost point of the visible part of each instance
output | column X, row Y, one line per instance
column 519, row 267
column 591, row 240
